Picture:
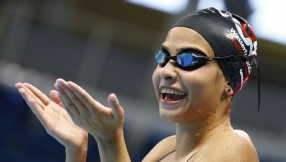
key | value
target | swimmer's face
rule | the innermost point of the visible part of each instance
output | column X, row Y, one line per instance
column 186, row 95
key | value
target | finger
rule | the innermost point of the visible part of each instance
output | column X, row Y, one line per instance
column 71, row 113
column 84, row 97
column 34, row 106
column 38, row 93
column 26, row 97
column 117, row 110
column 72, row 98
column 68, row 105
column 55, row 97
column 38, row 111
column 29, row 94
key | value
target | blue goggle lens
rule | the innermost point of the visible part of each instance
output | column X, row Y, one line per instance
column 160, row 57
column 183, row 59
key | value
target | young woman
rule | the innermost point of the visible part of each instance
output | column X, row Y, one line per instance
column 205, row 59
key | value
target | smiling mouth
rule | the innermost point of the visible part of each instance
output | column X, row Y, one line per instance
column 169, row 94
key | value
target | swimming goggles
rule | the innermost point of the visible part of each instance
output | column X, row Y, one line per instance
column 192, row 60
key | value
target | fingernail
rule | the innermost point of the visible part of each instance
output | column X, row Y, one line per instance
column 31, row 100
column 21, row 90
column 112, row 97
column 17, row 84
column 56, row 86
column 59, row 95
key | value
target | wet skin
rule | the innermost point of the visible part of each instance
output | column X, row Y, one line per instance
column 203, row 86
column 202, row 122
column 203, row 129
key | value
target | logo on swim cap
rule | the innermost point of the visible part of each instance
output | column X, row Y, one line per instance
column 244, row 40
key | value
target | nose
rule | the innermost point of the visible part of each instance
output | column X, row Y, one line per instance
column 168, row 72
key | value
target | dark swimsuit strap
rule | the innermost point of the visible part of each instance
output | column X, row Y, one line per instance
column 172, row 152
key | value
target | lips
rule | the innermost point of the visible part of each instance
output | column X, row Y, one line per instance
column 172, row 95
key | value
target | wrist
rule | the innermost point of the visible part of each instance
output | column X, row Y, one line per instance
column 114, row 148
column 77, row 153
column 109, row 137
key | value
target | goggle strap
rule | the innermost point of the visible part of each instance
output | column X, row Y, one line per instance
column 230, row 58
column 258, row 73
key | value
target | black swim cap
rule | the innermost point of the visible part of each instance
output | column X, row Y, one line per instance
column 228, row 34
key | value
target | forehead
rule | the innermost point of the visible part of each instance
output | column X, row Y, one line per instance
column 181, row 37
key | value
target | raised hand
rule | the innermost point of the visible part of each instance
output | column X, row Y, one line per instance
column 56, row 121
column 105, row 124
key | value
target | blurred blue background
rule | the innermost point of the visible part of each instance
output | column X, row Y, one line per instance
column 108, row 47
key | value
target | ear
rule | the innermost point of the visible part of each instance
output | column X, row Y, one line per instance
column 228, row 90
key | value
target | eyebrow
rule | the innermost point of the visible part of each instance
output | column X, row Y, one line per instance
column 182, row 49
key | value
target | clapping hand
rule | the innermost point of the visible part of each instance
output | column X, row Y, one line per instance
column 103, row 123
column 55, row 118
column 100, row 121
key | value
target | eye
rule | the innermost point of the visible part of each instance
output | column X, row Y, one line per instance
column 185, row 59
column 160, row 57
column 190, row 60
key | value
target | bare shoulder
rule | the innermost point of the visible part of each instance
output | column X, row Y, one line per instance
column 230, row 145
column 161, row 149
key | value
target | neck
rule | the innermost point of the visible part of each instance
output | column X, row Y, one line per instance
column 190, row 136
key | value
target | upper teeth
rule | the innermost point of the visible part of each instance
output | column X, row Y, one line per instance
column 172, row 91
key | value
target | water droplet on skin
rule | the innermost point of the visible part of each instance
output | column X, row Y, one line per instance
column 210, row 113
column 208, row 122
column 200, row 110
column 210, row 128
column 215, row 114
column 198, row 134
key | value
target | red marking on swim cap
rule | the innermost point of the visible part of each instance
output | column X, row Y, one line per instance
column 245, row 79
column 248, row 32
column 241, row 85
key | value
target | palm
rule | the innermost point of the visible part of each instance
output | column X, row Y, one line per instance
column 59, row 125
column 100, row 121
column 53, row 116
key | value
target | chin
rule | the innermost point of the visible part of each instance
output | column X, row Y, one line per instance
column 170, row 115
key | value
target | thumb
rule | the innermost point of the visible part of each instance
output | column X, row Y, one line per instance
column 117, row 110
column 55, row 97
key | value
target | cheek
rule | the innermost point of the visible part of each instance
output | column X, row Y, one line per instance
column 213, row 89
column 156, row 81
column 194, row 84
column 203, row 88
column 155, row 77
